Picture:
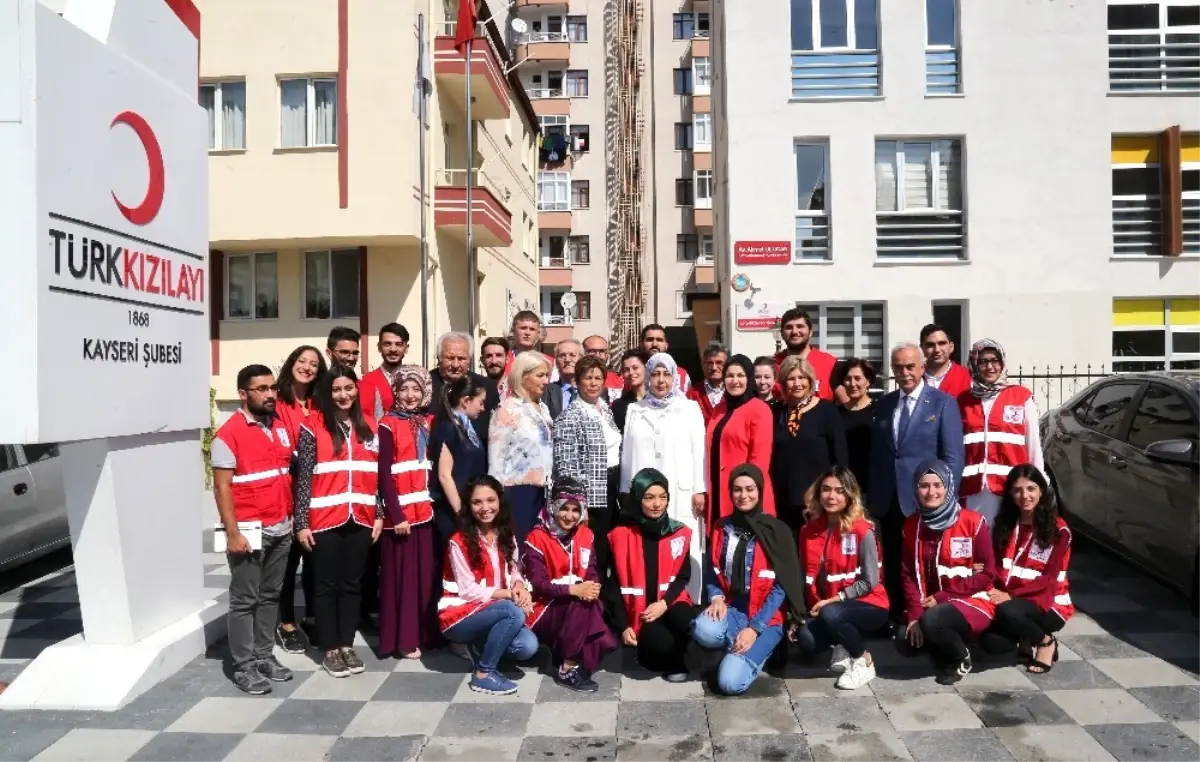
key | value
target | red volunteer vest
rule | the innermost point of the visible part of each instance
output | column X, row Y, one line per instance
column 411, row 476
column 451, row 608
column 373, row 386
column 294, row 416
column 1026, row 564
column 993, row 444
column 762, row 577
column 262, row 481
column 700, row 397
column 564, row 568
column 840, row 565
column 955, row 557
column 344, row 487
column 630, row 568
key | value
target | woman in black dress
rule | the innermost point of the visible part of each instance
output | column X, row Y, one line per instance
column 856, row 377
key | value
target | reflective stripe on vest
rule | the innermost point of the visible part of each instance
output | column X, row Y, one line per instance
column 411, row 465
column 260, row 476
column 414, row 497
column 636, row 591
column 352, row 498
column 986, row 469
column 569, row 579
column 333, row 466
column 999, row 437
column 955, row 571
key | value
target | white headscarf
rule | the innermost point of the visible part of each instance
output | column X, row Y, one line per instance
column 662, row 359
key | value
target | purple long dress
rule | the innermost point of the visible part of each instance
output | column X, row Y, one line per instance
column 570, row 628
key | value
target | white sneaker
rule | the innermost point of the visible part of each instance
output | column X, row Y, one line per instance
column 859, row 674
column 839, row 660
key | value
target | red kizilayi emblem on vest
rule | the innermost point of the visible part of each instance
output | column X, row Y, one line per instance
column 145, row 212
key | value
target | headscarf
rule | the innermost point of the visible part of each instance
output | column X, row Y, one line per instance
column 732, row 401
column 944, row 516
column 566, row 489
column 662, row 359
column 773, row 538
column 980, row 388
column 658, row 528
column 417, row 420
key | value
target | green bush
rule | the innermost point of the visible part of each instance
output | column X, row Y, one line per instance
column 206, row 440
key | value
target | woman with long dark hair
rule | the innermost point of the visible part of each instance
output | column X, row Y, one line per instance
column 297, row 383
column 855, row 377
column 338, row 515
column 1033, row 544
column 456, row 450
column 739, row 431
column 485, row 601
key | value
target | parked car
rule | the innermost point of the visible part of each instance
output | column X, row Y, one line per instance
column 33, row 507
column 1122, row 455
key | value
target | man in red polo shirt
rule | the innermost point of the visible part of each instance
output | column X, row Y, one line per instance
column 526, row 337
column 654, row 340
column 597, row 346
column 941, row 372
column 375, row 390
column 796, row 327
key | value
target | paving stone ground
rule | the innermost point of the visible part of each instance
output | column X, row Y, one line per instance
column 1125, row 688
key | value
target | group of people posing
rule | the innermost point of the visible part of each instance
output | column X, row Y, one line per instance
column 551, row 501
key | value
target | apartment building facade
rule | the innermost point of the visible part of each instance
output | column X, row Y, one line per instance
column 316, row 177
column 1024, row 171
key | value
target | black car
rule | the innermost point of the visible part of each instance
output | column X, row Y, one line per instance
column 1122, row 455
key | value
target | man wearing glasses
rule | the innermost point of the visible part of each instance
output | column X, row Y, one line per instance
column 597, row 346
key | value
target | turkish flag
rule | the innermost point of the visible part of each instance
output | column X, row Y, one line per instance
column 465, row 29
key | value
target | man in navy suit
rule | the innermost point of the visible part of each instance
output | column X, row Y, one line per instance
column 913, row 423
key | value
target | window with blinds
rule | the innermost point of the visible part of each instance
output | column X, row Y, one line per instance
column 919, row 199
column 849, row 330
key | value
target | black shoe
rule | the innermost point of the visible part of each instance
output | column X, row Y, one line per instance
column 954, row 673
column 353, row 663
column 271, row 669
column 292, row 641
column 576, row 680
column 250, row 680
column 335, row 664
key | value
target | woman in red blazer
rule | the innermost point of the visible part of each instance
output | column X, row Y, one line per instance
column 740, row 430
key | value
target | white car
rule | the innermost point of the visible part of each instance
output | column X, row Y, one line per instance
column 33, row 507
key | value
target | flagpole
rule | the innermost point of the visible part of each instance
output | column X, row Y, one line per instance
column 472, row 318
column 422, row 120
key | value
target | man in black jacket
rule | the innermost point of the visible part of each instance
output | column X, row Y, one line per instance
column 453, row 360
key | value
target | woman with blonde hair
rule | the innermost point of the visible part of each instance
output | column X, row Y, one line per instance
column 841, row 559
column 520, row 446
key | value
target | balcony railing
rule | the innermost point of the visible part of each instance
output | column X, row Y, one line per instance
column 702, row 202
column 920, row 235
column 824, row 74
column 535, row 93
column 554, row 205
column 1137, row 227
column 1191, row 226
column 1145, row 62
column 531, row 37
column 457, row 178
column 812, row 237
column 559, row 261
column 551, row 319
column 942, row 76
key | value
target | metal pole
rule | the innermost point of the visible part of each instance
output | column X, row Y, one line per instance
column 472, row 265
column 423, row 119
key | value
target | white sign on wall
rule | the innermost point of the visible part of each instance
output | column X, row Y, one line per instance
column 104, row 287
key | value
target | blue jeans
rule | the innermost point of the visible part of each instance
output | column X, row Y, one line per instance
column 737, row 671
column 845, row 623
column 498, row 631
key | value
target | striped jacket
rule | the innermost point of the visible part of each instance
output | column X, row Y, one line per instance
column 580, row 450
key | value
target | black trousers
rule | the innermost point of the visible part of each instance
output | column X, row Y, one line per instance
column 663, row 643
column 369, row 602
column 1021, row 621
column 891, row 537
column 945, row 630
column 339, row 556
column 287, row 594
column 600, row 520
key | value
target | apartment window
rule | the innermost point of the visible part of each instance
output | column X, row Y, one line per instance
column 702, row 75
column 225, row 103
column 812, row 213
column 701, row 26
column 683, row 193
column 581, row 194
column 1155, row 334
column 683, row 81
column 683, row 304
column 682, row 25
column 952, row 316
column 704, row 189
column 251, row 286
column 558, row 124
column 1142, row 224
column 835, row 48
column 548, row 30
column 687, row 247
column 918, row 199
column 553, row 251
column 331, row 284
column 583, row 305
column 849, row 330
column 577, row 28
column 702, row 131
column 547, row 85
column 577, row 84
column 1153, row 46
column 556, row 314
column 554, row 191
column 579, row 250
column 308, row 112
column 942, row 74
column 706, row 249
column 683, row 136
column 581, row 138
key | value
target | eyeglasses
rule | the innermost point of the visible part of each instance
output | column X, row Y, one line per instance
column 992, row 361
column 263, row 388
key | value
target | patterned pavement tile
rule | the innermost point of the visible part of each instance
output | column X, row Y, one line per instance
column 412, row 686
column 324, row 686
column 594, row 749
column 528, row 685
column 694, row 748
column 86, row 745
column 471, row 750
column 780, row 748
column 1002, row 709
column 295, row 747
column 752, row 716
column 178, row 747
column 28, row 742
column 857, row 747
column 1103, row 705
column 1174, row 703
column 1104, row 646
column 840, row 715
column 1143, row 672
column 1156, row 741
column 1190, row 729
column 485, row 720
column 318, row 717
column 914, row 677
column 609, row 682
column 567, row 719
column 1052, row 743
column 641, row 720
column 1074, row 675
column 999, row 679
column 647, row 686
column 393, row 719
column 955, row 745
column 225, row 715
column 934, row 711
column 376, row 749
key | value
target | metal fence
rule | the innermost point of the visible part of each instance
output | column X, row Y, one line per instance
column 1051, row 386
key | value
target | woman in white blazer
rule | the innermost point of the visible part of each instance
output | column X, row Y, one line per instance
column 665, row 431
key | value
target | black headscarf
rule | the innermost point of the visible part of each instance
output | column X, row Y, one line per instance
column 664, row 525
column 734, row 401
column 774, row 538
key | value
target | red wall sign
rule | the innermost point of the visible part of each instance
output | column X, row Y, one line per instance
column 762, row 252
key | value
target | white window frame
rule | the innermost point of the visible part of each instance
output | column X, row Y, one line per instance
column 681, row 310
column 217, row 86
column 541, row 87
column 586, row 78
column 1168, row 340
column 310, row 111
column 697, row 34
column 820, row 313
column 545, row 35
column 941, row 48
column 584, row 184
column 572, row 249
column 957, row 32
column 253, row 257
column 702, row 127
column 935, row 164
column 702, row 179
column 851, row 29
column 1155, row 85
column 825, row 214
column 559, row 181
column 332, row 287
column 702, row 75
column 546, row 256
column 1143, row 198
column 704, row 249
column 555, row 120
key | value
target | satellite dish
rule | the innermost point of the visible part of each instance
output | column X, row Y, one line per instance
column 568, row 302
column 520, row 26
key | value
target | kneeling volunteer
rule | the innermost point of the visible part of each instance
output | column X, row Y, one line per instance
column 338, row 515
column 752, row 571
column 252, row 483
column 646, row 590
column 946, row 569
column 484, row 601
column 561, row 565
column 840, row 555
column 1033, row 598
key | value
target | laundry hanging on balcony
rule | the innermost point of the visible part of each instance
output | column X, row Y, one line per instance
column 554, row 149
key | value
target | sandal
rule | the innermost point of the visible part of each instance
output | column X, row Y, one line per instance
column 1043, row 667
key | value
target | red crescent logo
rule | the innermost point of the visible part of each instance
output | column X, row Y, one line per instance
column 145, row 212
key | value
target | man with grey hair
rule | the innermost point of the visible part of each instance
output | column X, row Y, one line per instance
column 453, row 360
column 713, row 360
column 913, row 424
column 561, row 389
